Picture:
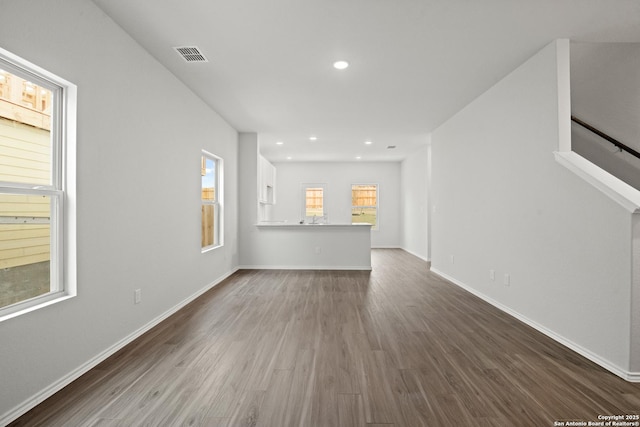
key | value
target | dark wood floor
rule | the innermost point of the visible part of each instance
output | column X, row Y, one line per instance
column 398, row 346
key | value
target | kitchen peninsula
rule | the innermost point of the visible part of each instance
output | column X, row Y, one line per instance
column 314, row 246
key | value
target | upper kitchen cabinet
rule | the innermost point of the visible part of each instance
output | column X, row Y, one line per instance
column 266, row 182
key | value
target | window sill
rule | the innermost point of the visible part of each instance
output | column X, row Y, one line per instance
column 210, row 248
column 24, row 308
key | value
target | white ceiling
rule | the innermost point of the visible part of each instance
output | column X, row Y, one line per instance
column 414, row 63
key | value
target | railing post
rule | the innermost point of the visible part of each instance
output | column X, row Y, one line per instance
column 634, row 344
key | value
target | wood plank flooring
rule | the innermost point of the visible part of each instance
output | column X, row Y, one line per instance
column 397, row 346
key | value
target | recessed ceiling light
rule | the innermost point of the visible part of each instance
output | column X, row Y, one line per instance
column 340, row 65
column 358, row 157
column 289, row 157
column 279, row 143
column 313, row 138
column 367, row 142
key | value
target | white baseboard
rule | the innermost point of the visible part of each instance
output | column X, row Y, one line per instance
column 303, row 267
column 626, row 375
column 632, row 377
column 416, row 255
column 40, row 397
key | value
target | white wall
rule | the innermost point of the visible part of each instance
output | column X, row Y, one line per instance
column 339, row 177
column 501, row 202
column 248, row 203
column 605, row 92
column 140, row 132
column 414, row 201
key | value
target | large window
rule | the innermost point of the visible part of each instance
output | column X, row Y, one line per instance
column 211, row 190
column 364, row 204
column 37, row 155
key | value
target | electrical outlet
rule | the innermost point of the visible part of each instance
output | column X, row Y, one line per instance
column 507, row 279
column 492, row 275
column 137, row 296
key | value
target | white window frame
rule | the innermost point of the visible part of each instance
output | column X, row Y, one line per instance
column 218, row 203
column 61, row 190
column 303, row 204
column 377, row 206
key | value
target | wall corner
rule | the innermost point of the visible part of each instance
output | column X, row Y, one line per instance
column 563, row 63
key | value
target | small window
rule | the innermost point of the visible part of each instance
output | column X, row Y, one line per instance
column 37, row 128
column 313, row 202
column 211, row 190
column 364, row 204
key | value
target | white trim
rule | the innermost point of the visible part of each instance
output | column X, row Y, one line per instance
column 43, row 301
column 618, row 190
column 40, row 397
column 304, row 267
column 563, row 65
column 626, row 375
column 415, row 254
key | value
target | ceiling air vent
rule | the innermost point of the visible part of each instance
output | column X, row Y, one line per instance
column 390, row 147
column 191, row 54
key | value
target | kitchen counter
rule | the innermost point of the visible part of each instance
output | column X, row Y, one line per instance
column 288, row 224
column 285, row 245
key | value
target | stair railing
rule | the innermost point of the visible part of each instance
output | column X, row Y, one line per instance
column 603, row 135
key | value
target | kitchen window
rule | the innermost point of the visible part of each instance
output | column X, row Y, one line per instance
column 37, row 187
column 364, row 204
column 313, row 203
